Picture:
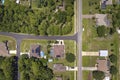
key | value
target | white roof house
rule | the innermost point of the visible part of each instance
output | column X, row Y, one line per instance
column 103, row 53
column 101, row 19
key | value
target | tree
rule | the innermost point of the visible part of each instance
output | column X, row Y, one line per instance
column 98, row 75
column 2, row 76
column 113, row 70
column 113, row 58
column 35, row 69
column 61, row 16
column 101, row 31
column 70, row 57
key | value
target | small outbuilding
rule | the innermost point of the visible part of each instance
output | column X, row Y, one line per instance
column 103, row 53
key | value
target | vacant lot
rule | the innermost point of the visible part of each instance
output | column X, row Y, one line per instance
column 11, row 41
column 91, row 6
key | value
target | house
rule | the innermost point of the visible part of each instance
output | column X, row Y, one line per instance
column 103, row 53
column 35, row 50
column 58, row 51
column 4, row 49
column 101, row 19
column 103, row 65
column 59, row 67
column 104, row 3
column 58, row 78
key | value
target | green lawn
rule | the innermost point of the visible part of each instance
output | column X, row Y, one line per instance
column 90, row 40
column 86, row 75
column 25, row 45
column 93, row 43
column 89, row 6
column 88, row 61
column 65, row 75
column 11, row 41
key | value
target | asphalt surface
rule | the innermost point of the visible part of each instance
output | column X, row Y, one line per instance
column 20, row 37
column 79, row 30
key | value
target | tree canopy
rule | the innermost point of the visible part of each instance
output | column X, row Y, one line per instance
column 34, row 69
column 113, row 70
column 41, row 21
column 113, row 58
column 70, row 57
column 101, row 31
column 98, row 75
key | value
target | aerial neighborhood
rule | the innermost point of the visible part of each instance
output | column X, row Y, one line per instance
column 59, row 40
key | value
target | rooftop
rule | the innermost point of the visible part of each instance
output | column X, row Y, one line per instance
column 58, row 51
column 59, row 67
column 101, row 19
column 103, row 65
column 103, row 53
column 58, row 78
column 35, row 50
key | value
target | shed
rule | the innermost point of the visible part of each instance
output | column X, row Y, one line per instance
column 103, row 53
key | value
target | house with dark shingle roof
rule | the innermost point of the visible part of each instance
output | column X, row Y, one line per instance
column 35, row 50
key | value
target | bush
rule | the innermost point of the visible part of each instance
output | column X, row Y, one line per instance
column 70, row 57
column 113, row 70
column 113, row 58
column 98, row 75
column 101, row 31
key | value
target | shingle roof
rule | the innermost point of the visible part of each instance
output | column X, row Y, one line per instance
column 103, row 65
column 35, row 50
column 58, row 50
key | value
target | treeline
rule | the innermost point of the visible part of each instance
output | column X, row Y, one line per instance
column 8, row 68
column 34, row 69
column 20, row 19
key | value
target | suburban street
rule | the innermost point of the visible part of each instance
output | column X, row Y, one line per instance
column 76, row 37
column 79, row 38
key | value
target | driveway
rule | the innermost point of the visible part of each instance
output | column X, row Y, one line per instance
column 90, row 53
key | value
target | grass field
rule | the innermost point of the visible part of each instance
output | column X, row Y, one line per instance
column 93, row 43
column 25, row 45
column 89, row 6
column 65, row 75
column 90, row 40
column 87, row 75
column 11, row 41
column 88, row 61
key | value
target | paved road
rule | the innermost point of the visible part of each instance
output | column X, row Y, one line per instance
column 79, row 38
column 25, row 36
column 20, row 37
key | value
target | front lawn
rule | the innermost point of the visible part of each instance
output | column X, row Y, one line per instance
column 68, row 75
column 89, row 61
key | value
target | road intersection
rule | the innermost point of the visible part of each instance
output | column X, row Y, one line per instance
column 76, row 37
